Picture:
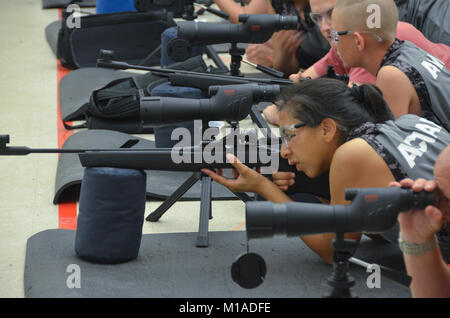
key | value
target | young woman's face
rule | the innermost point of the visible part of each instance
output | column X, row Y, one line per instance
column 307, row 149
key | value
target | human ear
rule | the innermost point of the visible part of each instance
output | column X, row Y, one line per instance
column 328, row 129
column 360, row 41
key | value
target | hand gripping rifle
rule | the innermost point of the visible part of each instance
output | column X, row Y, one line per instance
column 372, row 210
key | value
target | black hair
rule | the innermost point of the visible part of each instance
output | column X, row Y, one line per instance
column 311, row 101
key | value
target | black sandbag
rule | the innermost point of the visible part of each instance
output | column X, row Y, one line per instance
column 111, row 215
column 133, row 37
column 116, row 105
column 76, row 88
column 53, row 4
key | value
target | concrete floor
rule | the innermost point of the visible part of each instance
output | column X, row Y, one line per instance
column 28, row 113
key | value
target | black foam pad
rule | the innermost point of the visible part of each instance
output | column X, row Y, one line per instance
column 169, row 265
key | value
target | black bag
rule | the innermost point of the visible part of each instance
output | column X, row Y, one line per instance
column 116, row 106
column 134, row 37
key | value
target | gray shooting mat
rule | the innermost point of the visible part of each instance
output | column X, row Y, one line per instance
column 160, row 184
column 52, row 4
column 51, row 35
column 75, row 88
column 170, row 266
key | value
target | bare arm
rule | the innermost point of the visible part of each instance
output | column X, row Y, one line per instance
column 234, row 9
column 355, row 165
column 397, row 90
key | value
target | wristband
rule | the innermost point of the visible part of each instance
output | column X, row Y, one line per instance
column 416, row 249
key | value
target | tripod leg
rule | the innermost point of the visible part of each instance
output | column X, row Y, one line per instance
column 155, row 215
column 243, row 196
column 205, row 212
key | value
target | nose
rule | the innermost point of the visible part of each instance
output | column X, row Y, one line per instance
column 325, row 26
column 285, row 151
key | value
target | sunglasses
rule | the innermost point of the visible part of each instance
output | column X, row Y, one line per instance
column 336, row 34
column 287, row 133
column 318, row 17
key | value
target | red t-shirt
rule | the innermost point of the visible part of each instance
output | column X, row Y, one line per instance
column 405, row 31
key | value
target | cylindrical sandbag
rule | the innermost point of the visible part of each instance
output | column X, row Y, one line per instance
column 111, row 215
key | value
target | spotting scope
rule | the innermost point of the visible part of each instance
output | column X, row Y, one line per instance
column 228, row 103
column 372, row 210
column 254, row 28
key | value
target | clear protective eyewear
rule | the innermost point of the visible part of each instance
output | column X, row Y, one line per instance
column 319, row 17
column 288, row 132
column 336, row 34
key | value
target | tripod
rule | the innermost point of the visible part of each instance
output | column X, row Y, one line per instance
column 236, row 58
column 341, row 281
column 205, row 199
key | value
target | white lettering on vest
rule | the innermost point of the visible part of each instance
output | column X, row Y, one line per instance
column 433, row 65
column 411, row 151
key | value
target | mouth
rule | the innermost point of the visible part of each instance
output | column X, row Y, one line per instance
column 297, row 165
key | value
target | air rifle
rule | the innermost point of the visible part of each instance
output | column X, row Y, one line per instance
column 186, row 78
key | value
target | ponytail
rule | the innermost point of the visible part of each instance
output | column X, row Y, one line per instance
column 371, row 99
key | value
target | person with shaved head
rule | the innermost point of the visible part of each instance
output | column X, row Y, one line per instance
column 412, row 80
column 321, row 11
column 418, row 230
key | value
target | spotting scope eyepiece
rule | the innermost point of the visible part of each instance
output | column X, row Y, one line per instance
column 372, row 210
column 228, row 103
column 255, row 28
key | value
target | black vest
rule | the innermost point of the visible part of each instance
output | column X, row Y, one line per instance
column 415, row 143
column 429, row 76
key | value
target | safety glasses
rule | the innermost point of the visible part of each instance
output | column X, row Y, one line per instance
column 288, row 132
column 336, row 34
